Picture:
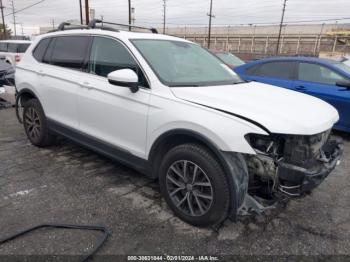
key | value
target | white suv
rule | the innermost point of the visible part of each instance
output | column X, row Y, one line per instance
column 172, row 110
column 11, row 51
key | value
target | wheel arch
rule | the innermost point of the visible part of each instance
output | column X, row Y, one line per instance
column 175, row 137
column 26, row 94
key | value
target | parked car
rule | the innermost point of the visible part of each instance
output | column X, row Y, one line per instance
column 228, row 58
column 7, row 78
column 171, row 110
column 326, row 79
column 11, row 51
column 6, row 74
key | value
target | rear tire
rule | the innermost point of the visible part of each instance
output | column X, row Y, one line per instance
column 35, row 124
column 194, row 185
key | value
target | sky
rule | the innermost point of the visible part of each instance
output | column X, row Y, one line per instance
column 178, row 12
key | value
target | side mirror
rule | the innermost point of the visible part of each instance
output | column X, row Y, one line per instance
column 124, row 77
column 345, row 84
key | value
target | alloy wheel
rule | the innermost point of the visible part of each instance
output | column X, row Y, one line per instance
column 33, row 124
column 189, row 188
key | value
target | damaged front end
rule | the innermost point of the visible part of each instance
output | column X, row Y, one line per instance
column 288, row 166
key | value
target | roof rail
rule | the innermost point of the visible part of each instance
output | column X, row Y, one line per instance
column 63, row 26
column 92, row 24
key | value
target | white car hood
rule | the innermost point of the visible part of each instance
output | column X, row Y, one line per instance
column 277, row 109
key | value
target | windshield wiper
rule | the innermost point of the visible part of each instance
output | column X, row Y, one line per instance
column 184, row 85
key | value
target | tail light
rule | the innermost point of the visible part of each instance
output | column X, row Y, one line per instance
column 17, row 58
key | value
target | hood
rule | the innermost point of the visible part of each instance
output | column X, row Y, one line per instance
column 277, row 109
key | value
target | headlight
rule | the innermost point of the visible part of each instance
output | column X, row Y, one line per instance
column 260, row 143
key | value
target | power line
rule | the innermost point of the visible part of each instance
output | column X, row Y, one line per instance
column 25, row 8
column 246, row 24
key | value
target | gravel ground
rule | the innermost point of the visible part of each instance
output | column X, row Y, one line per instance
column 68, row 184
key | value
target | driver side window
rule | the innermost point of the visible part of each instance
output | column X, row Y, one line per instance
column 318, row 74
column 108, row 55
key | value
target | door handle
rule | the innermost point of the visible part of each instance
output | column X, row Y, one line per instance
column 301, row 88
column 86, row 84
column 41, row 72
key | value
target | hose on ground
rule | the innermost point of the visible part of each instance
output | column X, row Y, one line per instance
column 98, row 245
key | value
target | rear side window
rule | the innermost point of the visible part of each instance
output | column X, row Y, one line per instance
column 40, row 49
column 12, row 47
column 70, row 51
column 281, row 70
column 318, row 74
column 22, row 48
column 17, row 47
column 3, row 47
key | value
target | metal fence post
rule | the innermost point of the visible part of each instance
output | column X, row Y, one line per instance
column 239, row 44
column 334, row 45
column 252, row 44
column 315, row 46
column 282, row 42
column 298, row 46
column 266, row 44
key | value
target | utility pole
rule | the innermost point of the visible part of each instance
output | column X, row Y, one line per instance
column 164, row 15
column 281, row 24
column 21, row 24
column 87, row 11
column 133, row 15
column 14, row 17
column 210, row 17
column 53, row 23
column 81, row 12
column 3, row 20
column 129, row 3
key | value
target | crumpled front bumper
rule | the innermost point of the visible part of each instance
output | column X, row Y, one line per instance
column 296, row 181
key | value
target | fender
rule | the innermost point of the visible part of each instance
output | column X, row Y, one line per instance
column 237, row 182
column 18, row 97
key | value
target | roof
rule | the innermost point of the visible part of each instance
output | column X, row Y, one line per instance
column 298, row 58
column 16, row 41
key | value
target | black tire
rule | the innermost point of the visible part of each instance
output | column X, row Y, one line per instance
column 209, row 170
column 35, row 124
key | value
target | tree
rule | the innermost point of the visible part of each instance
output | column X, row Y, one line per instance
column 8, row 32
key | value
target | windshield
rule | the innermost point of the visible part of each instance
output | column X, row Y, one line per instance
column 179, row 63
column 343, row 67
column 230, row 59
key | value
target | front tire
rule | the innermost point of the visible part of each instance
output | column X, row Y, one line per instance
column 194, row 185
column 35, row 124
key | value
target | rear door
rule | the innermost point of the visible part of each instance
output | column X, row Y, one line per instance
column 110, row 113
column 60, row 76
column 278, row 73
column 320, row 81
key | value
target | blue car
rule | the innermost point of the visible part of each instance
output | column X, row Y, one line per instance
column 326, row 79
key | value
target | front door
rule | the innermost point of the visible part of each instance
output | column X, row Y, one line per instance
column 110, row 113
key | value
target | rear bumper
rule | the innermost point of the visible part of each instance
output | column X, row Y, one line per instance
column 296, row 181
